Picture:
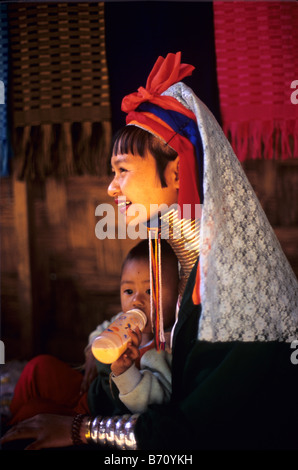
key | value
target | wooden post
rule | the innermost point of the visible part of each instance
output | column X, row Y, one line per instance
column 23, row 218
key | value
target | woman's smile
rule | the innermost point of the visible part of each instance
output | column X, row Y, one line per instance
column 136, row 182
column 122, row 204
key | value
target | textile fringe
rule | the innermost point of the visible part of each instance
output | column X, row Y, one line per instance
column 256, row 61
column 263, row 139
column 62, row 150
column 66, row 163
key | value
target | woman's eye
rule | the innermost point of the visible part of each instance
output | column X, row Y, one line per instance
column 148, row 291
column 122, row 170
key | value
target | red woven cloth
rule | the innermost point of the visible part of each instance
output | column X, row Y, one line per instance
column 257, row 61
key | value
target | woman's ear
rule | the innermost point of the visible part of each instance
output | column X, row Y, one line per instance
column 176, row 172
column 172, row 173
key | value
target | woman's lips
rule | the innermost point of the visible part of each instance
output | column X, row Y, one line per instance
column 122, row 204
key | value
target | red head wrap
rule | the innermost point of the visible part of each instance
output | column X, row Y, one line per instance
column 167, row 72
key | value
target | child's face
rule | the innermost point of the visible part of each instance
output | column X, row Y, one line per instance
column 135, row 292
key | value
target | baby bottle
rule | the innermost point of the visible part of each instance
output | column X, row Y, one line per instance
column 112, row 342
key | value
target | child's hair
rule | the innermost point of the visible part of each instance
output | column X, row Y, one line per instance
column 137, row 141
column 141, row 251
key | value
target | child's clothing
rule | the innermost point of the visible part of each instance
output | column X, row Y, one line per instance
column 151, row 383
column 48, row 385
column 146, row 382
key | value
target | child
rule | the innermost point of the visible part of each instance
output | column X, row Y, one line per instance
column 48, row 385
column 142, row 375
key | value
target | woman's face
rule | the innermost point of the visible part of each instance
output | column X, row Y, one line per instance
column 137, row 183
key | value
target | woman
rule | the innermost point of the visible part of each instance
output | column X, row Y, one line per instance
column 234, row 386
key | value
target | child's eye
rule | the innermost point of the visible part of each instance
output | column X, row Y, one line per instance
column 122, row 170
column 128, row 291
column 148, row 291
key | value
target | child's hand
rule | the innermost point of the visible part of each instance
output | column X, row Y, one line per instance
column 130, row 355
column 90, row 370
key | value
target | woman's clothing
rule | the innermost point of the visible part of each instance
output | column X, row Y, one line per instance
column 226, row 395
column 247, row 288
column 48, row 385
column 245, row 284
column 233, row 383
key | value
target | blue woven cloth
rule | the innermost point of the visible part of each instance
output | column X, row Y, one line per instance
column 185, row 127
column 5, row 148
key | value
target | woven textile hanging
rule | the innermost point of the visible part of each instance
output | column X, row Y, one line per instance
column 59, row 87
column 5, row 150
column 257, row 60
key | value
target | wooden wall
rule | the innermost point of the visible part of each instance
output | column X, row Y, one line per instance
column 58, row 281
column 276, row 185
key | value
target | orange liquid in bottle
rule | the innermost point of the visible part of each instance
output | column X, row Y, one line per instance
column 108, row 355
column 112, row 342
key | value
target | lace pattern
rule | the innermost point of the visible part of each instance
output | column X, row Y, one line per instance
column 248, row 289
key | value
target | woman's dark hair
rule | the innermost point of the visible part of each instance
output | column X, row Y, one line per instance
column 137, row 141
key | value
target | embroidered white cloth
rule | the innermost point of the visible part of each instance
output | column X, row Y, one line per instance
column 248, row 289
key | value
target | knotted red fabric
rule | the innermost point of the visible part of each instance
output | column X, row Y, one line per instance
column 166, row 72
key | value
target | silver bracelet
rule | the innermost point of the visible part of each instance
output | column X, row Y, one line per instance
column 94, row 429
column 115, row 431
column 102, row 438
column 120, row 431
column 110, row 426
column 130, row 440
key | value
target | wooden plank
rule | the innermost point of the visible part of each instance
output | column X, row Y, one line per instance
column 23, row 219
column 56, row 201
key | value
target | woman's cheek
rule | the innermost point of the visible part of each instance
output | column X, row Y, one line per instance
column 124, row 187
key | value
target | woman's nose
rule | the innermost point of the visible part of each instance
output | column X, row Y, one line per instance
column 113, row 188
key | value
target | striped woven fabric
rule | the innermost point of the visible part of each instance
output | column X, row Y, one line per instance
column 59, row 84
column 257, row 60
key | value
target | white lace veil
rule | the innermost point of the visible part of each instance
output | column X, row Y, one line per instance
column 248, row 289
